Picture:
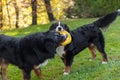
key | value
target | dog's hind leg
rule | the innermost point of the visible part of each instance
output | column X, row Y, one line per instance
column 100, row 46
column 4, row 65
column 103, row 53
column 104, row 57
column 93, row 52
column 105, row 60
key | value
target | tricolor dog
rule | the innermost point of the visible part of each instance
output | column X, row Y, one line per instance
column 29, row 52
column 86, row 36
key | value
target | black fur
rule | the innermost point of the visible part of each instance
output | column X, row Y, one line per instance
column 30, row 50
column 85, row 36
column 64, row 26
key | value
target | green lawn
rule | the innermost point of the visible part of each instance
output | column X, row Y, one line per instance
column 82, row 68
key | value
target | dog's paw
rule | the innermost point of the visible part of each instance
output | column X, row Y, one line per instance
column 104, row 62
column 65, row 73
column 118, row 10
column 90, row 60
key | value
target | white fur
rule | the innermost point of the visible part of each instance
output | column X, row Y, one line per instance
column 65, row 73
column 90, row 59
column 60, row 50
column 59, row 23
column 104, row 62
column 59, row 26
column 118, row 10
column 42, row 64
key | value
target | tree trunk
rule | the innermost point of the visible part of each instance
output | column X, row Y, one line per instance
column 1, row 15
column 8, row 13
column 34, row 12
column 17, row 14
column 49, row 10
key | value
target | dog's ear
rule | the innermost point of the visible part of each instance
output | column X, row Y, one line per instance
column 66, row 27
column 51, row 50
column 52, row 27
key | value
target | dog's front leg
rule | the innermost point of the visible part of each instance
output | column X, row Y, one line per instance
column 38, row 72
column 26, row 74
column 64, row 60
column 4, row 66
column 67, row 70
column 68, row 63
column 4, row 69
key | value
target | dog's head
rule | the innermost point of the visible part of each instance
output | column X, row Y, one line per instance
column 53, row 40
column 58, row 26
column 55, row 37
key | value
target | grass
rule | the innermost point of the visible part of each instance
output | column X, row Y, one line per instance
column 82, row 69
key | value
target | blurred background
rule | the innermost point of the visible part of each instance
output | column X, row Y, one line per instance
column 23, row 17
column 23, row 13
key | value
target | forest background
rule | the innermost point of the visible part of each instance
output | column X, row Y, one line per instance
column 23, row 13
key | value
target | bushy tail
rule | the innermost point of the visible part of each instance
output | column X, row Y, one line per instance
column 104, row 21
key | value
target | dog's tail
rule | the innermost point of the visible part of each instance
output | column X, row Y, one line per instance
column 104, row 21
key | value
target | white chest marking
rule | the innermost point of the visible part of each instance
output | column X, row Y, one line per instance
column 42, row 64
column 60, row 50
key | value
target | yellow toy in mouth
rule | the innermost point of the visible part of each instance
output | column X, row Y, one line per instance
column 68, row 39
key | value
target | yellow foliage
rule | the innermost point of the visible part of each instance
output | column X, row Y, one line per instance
column 0, row 13
column 42, row 14
column 25, row 10
column 57, row 8
column 5, row 28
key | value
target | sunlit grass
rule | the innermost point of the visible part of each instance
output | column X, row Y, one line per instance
column 82, row 69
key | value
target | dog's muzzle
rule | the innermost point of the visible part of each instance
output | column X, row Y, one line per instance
column 59, row 28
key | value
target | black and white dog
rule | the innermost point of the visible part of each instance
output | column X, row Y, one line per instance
column 88, row 35
column 29, row 52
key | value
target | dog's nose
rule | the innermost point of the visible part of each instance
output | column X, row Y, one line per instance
column 59, row 29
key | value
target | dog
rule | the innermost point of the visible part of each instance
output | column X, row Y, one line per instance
column 86, row 36
column 29, row 52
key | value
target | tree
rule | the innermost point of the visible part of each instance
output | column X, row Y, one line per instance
column 92, row 8
column 7, row 3
column 49, row 10
column 17, row 14
column 34, row 12
column 1, row 16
